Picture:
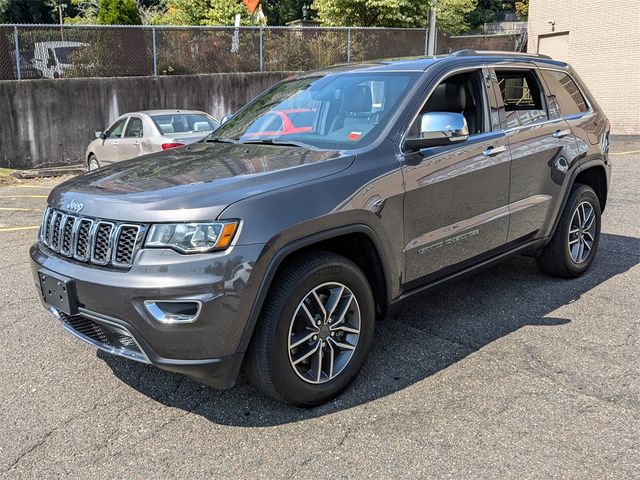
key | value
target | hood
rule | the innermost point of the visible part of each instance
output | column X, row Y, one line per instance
column 195, row 182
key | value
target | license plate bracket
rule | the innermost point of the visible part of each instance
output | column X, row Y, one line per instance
column 58, row 291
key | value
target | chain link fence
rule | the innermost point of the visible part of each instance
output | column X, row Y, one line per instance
column 75, row 51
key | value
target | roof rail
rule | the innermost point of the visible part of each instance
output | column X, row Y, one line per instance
column 469, row 53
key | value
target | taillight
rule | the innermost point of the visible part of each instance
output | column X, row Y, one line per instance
column 167, row 146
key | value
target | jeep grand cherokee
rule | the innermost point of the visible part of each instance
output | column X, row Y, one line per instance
column 276, row 250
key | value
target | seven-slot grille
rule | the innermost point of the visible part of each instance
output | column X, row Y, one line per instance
column 90, row 240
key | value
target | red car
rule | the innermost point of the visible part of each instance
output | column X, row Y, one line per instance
column 282, row 122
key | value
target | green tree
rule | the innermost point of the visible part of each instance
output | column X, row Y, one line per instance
column 119, row 12
column 522, row 9
column 394, row 13
column 28, row 11
column 280, row 12
column 223, row 12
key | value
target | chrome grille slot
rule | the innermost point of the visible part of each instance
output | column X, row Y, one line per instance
column 90, row 240
column 55, row 231
column 125, row 244
column 66, row 241
column 82, row 240
column 46, row 226
column 102, row 243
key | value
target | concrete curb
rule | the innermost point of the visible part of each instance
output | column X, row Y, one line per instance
column 50, row 171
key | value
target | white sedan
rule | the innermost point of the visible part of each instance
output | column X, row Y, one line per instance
column 139, row 133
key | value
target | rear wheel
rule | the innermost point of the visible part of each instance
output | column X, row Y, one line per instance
column 575, row 241
column 93, row 163
column 314, row 332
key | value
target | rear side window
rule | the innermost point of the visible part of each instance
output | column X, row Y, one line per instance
column 134, row 128
column 565, row 94
column 522, row 97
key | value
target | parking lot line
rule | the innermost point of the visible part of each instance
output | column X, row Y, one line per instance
column 624, row 153
column 29, row 186
column 15, row 229
column 24, row 196
column 17, row 209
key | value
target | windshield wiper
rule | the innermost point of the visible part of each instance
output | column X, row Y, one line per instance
column 271, row 141
column 220, row 140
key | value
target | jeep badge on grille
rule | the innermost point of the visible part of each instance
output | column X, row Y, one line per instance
column 75, row 206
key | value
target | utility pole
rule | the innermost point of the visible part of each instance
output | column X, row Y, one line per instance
column 60, row 7
column 431, row 44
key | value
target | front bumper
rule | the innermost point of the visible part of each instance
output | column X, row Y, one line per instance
column 206, row 349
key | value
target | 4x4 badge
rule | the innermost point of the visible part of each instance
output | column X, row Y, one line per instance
column 75, row 206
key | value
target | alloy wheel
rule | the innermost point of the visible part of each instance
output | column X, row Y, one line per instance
column 582, row 232
column 324, row 332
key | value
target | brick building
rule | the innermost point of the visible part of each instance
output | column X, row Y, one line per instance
column 601, row 40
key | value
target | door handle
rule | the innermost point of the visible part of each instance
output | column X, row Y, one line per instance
column 561, row 133
column 491, row 151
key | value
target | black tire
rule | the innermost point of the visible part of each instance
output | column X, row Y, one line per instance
column 92, row 158
column 268, row 365
column 556, row 258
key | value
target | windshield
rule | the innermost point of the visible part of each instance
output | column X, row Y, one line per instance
column 184, row 123
column 339, row 111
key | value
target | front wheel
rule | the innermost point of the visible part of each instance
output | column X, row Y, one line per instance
column 575, row 241
column 314, row 332
column 93, row 163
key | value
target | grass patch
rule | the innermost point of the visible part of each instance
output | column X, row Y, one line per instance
column 5, row 176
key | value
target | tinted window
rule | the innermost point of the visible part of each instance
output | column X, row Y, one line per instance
column 565, row 94
column 522, row 97
column 116, row 129
column 334, row 111
column 134, row 128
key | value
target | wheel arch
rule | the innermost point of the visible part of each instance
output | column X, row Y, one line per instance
column 358, row 242
column 595, row 176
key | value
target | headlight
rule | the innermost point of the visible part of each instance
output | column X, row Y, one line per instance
column 192, row 237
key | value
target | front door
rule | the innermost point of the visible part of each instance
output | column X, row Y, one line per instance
column 107, row 150
column 129, row 146
column 456, row 200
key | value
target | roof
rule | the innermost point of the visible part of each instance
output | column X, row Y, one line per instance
column 165, row 112
column 422, row 63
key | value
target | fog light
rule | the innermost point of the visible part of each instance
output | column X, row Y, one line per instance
column 174, row 311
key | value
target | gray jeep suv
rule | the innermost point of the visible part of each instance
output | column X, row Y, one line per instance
column 275, row 244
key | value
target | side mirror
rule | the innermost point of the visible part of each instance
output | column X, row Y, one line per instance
column 438, row 129
column 103, row 135
column 98, row 134
column 225, row 119
column 51, row 63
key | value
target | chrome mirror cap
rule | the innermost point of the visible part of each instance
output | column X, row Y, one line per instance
column 451, row 127
column 438, row 129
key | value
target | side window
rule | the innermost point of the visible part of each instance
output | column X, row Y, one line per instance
column 522, row 97
column 116, row 129
column 565, row 94
column 463, row 93
column 134, row 128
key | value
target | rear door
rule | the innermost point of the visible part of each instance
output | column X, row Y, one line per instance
column 543, row 149
column 456, row 198
column 129, row 146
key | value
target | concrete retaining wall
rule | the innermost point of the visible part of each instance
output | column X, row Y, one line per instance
column 52, row 121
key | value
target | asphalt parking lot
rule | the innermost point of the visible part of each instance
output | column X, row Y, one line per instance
column 506, row 374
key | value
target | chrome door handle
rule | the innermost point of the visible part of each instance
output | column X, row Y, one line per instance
column 491, row 151
column 561, row 133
